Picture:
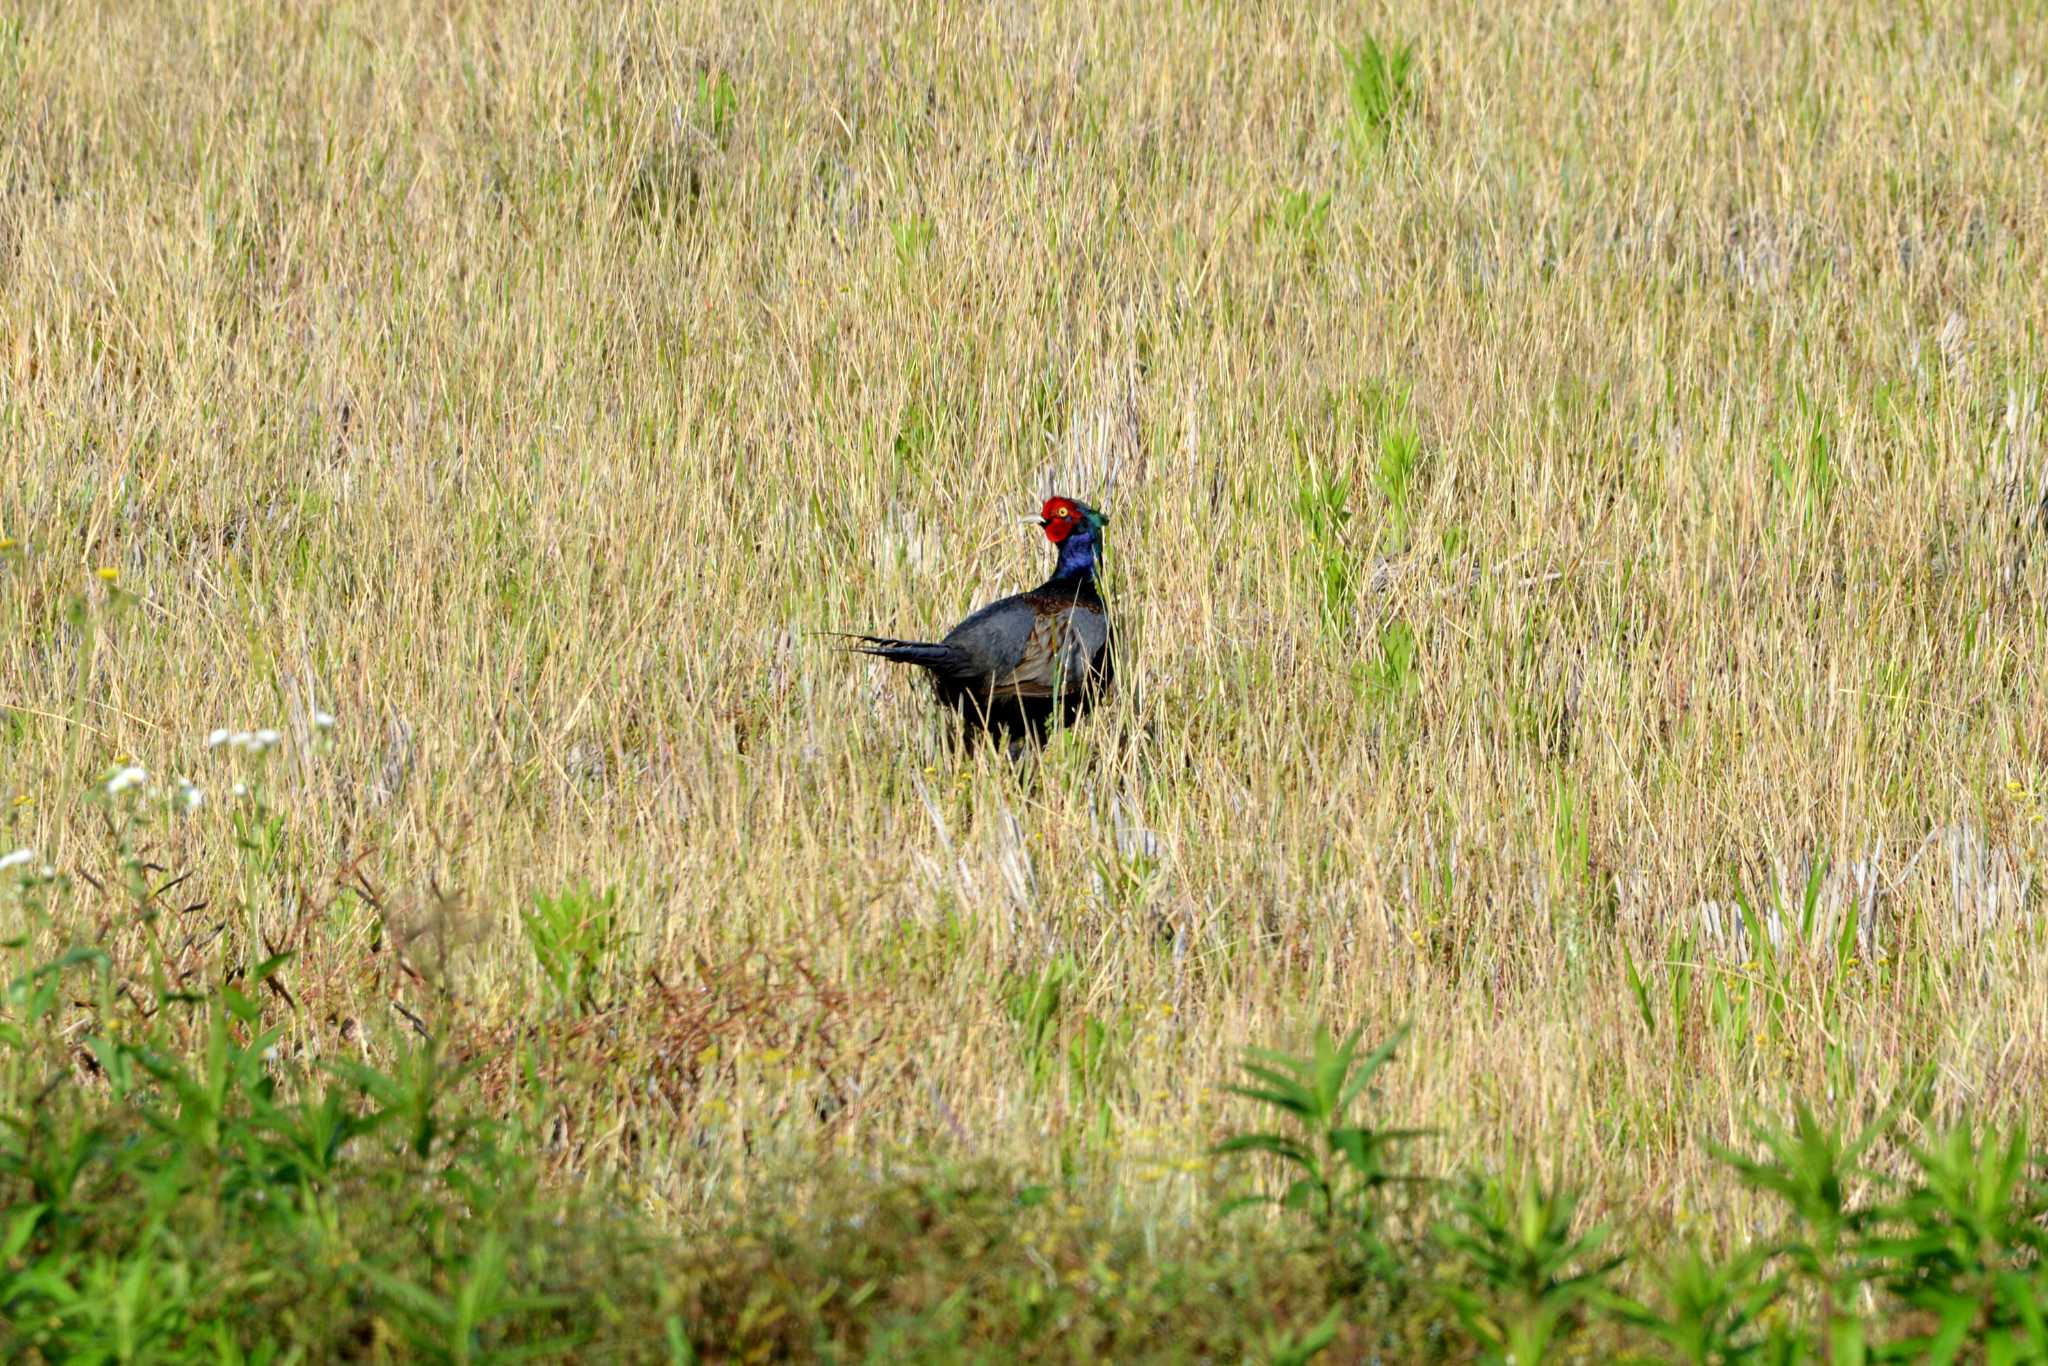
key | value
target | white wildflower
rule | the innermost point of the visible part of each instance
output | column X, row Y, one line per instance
column 241, row 789
column 324, row 720
column 16, row 859
column 250, row 741
column 124, row 778
column 189, row 795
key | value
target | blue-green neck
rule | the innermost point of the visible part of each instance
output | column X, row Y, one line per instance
column 1075, row 571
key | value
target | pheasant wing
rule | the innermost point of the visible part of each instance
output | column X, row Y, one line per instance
column 1059, row 653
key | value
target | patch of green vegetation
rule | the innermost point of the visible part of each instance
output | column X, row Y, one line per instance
column 1300, row 218
column 1376, row 90
column 914, row 237
column 1938, row 1258
column 1323, row 502
column 178, row 1193
column 180, row 1184
column 577, row 938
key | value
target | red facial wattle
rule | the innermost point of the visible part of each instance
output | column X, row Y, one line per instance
column 1059, row 518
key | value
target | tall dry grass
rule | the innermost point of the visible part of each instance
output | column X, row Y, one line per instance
column 526, row 387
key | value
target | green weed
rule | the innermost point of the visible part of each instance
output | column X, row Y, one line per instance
column 1376, row 88
column 1342, row 1165
column 577, row 938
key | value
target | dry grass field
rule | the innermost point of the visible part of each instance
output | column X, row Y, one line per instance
column 1577, row 504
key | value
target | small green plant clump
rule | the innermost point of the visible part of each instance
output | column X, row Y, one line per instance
column 1377, row 91
column 576, row 938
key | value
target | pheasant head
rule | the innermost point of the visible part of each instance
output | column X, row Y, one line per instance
column 1076, row 529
